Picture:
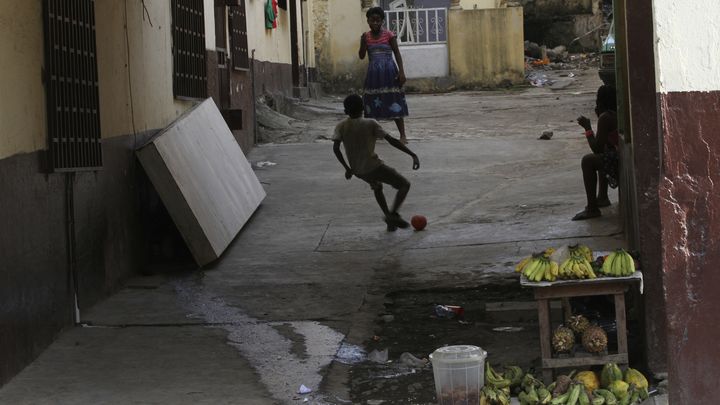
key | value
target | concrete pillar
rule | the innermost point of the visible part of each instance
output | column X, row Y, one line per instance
column 688, row 92
column 641, row 85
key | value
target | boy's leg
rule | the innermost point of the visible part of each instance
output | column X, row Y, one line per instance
column 380, row 197
column 377, row 189
column 400, row 197
column 390, row 176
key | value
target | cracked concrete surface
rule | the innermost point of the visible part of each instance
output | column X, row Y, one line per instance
column 313, row 266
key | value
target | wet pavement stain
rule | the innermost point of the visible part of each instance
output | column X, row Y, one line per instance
column 286, row 355
column 509, row 333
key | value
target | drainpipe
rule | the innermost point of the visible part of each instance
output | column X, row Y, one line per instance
column 70, row 237
column 256, row 135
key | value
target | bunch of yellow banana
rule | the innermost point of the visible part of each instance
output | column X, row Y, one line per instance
column 576, row 267
column 541, row 268
column 524, row 262
column 494, row 396
column 619, row 264
column 581, row 250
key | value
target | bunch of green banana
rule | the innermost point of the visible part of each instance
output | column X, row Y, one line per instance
column 575, row 395
column 632, row 396
column 540, row 268
column 514, row 374
column 607, row 396
column 581, row 250
column 495, row 380
column 494, row 396
column 529, row 381
column 576, row 267
column 636, row 395
column 619, row 264
column 534, row 396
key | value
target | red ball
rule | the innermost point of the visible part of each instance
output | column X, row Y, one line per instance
column 418, row 222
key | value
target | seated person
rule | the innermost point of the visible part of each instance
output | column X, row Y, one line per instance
column 603, row 161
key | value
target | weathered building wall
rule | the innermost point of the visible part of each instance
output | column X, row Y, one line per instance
column 22, row 107
column 475, row 4
column 425, row 61
column 136, row 88
column 486, row 46
column 338, row 26
column 135, row 100
column 272, row 48
column 688, row 87
column 476, row 56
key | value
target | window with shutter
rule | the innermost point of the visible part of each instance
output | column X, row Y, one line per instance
column 189, row 65
column 72, row 85
column 238, row 37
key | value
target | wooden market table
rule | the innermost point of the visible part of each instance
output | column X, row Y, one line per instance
column 566, row 289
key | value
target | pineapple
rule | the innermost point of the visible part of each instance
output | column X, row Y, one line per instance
column 563, row 339
column 594, row 340
column 578, row 324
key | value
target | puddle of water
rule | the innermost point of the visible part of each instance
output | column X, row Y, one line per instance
column 274, row 357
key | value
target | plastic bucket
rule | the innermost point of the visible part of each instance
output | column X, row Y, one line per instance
column 459, row 373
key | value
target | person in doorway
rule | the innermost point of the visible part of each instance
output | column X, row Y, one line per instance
column 600, row 168
column 358, row 135
column 383, row 96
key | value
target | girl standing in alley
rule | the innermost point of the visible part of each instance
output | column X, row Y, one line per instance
column 383, row 96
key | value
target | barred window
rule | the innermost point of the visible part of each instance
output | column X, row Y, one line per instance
column 72, row 86
column 238, row 37
column 189, row 65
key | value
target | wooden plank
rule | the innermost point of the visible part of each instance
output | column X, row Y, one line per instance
column 567, row 309
column 213, row 190
column 545, row 332
column 621, row 323
column 621, row 358
column 580, row 290
column 636, row 277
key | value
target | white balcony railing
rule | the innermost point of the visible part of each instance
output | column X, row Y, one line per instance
column 415, row 26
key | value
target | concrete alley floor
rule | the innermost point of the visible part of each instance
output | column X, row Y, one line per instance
column 299, row 295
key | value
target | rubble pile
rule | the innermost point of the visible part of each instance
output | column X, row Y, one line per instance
column 540, row 59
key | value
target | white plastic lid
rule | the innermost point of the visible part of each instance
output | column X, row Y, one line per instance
column 451, row 354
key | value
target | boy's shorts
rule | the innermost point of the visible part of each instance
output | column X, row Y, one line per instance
column 384, row 174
